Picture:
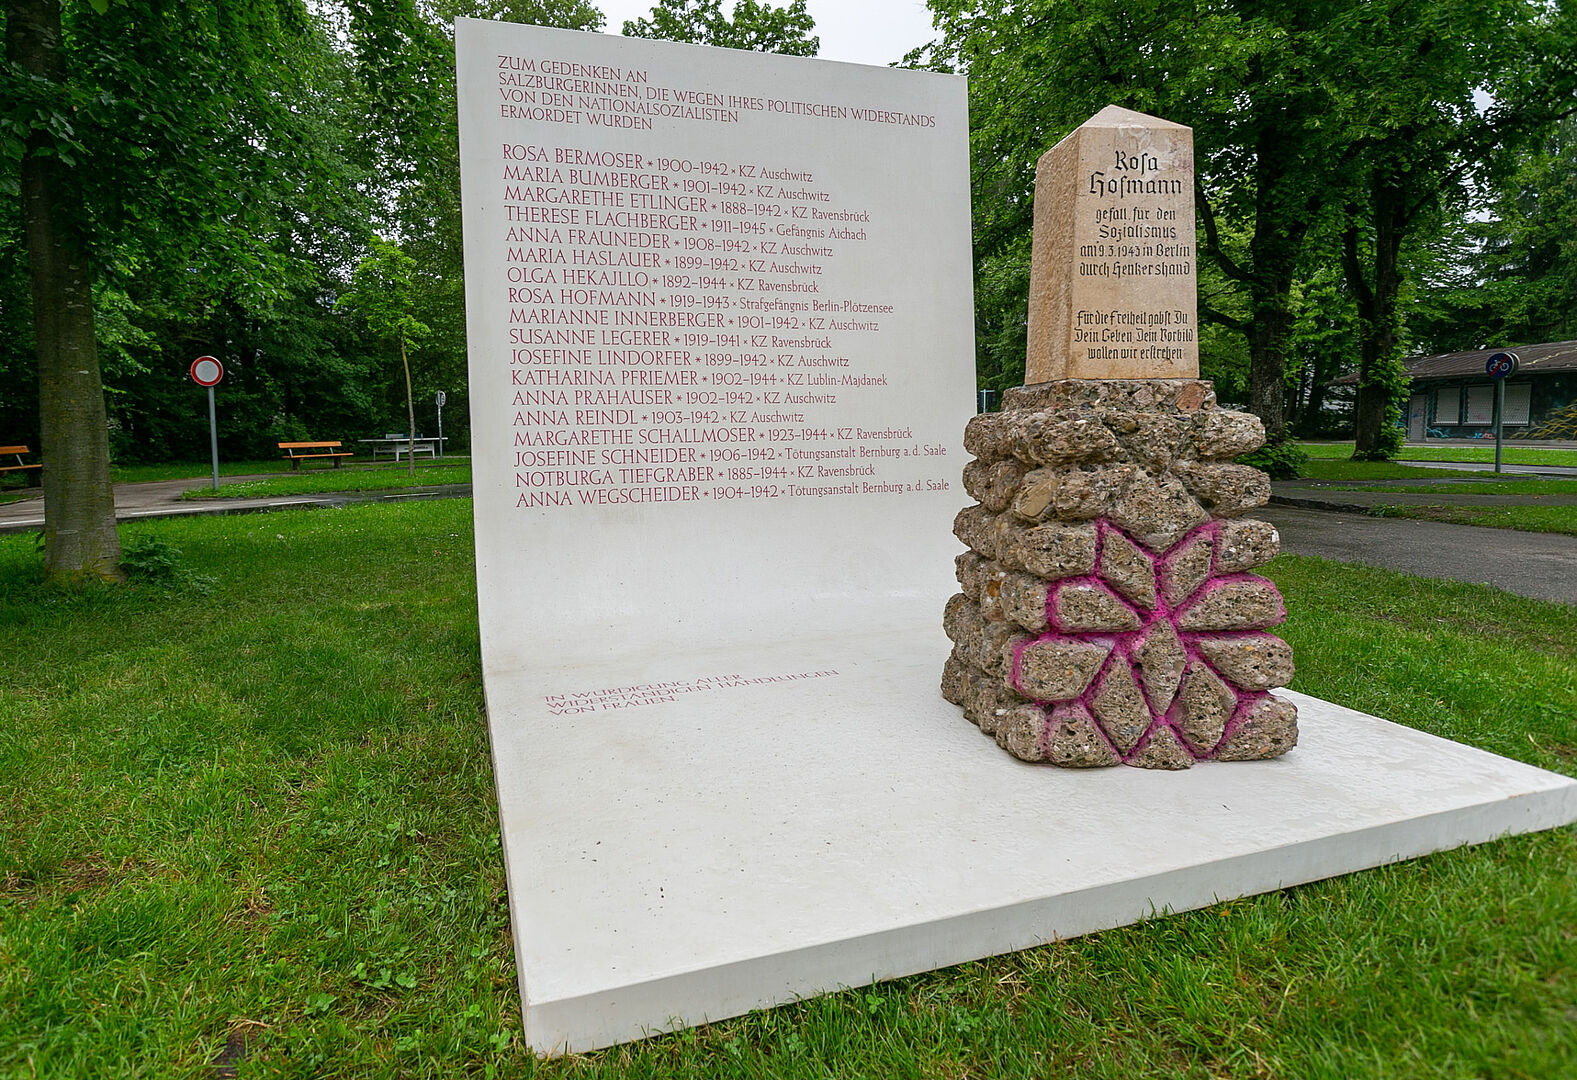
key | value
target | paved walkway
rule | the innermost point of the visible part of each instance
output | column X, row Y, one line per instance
column 1356, row 497
column 1538, row 565
column 1318, row 517
column 1312, row 519
column 162, row 498
column 1566, row 471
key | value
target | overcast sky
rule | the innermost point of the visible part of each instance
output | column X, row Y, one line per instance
column 859, row 31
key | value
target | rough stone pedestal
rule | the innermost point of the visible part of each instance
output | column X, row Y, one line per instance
column 1107, row 614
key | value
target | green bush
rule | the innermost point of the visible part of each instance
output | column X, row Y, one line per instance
column 152, row 561
column 1283, row 461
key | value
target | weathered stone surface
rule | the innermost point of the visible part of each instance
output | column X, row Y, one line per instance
column 1269, row 730
column 1126, row 568
column 1071, row 494
column 1073, row 741
column 1062, row 438
column 1156, row 395
column 1160, row 659
column 1162, row 750
column 1203, row 708
column 1149, row 439
column 994, row 484
column 1022, row 732
column 1075, row 182
column 975, row 527
column 988, row 701
column 1185, row 570
column 991, row 592
column 1051, row 551
column 975, row 481
column 969, row 568
column 1238, row 603
column 1243, row 543
column 1001, row 639
column 1156, row 512
column 1037, row 496
column 980, row 643
column 989, row 436
column 1223, row 488
column 961, row 619
column 1055, row 669
column 1252, row 661
column 955, row 679
column 1004, row 481
column 1225, row 433
column 1088, row 607
column 1120, row 706
column 1090, row 555
column 1005, row 538
column 1024, row 601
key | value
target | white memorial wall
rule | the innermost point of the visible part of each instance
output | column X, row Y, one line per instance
column 721, row 352
column 709, row 289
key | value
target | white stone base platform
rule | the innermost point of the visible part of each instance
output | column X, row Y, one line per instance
column 742, row 846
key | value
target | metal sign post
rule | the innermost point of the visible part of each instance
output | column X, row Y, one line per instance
column 1497, row 367
column 207, row 371
column 440, row 399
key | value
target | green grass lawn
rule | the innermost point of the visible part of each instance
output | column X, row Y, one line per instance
column 1475, row 487
column 1550, row 519
column 317, row 481
column 192, row 470
column 1318, row 468
column 1520, row 454
column 255, row 808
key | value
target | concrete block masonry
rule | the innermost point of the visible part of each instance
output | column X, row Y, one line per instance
column 1107, row 614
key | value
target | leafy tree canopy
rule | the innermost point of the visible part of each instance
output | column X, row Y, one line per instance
column 757, row 26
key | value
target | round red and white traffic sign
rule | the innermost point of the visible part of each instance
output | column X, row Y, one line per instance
column 206, row 371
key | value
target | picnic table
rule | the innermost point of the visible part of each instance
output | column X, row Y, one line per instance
column 401, row 444
column 23, row 467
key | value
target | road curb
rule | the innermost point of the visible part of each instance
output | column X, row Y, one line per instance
column 1319, row 504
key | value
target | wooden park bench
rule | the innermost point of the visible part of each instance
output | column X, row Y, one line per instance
column 17, row 452
column 297, row 452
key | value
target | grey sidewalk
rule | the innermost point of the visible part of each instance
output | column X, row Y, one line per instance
column 1316, row 517
column 162, row 498
column 1538, row 565
column 1355, row 496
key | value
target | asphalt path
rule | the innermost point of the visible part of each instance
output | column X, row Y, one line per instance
column 1538, row 565
column 162, row 498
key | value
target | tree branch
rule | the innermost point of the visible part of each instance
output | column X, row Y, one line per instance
column 1353, row 267
column 1242, row 326
column 1213, row 239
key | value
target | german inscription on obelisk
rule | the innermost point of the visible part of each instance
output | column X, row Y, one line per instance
column 1112, row 291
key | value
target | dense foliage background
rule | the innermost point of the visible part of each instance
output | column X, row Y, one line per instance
column 233, row 162
column 1377, row 179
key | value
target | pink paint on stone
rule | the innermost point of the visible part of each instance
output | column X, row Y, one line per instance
column 1124, row 643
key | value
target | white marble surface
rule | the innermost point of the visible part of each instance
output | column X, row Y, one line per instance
column 744, row 846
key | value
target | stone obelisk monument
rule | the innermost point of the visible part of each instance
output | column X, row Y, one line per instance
column 1108, row 615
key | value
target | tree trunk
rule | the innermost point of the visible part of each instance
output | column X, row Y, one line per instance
column 1380, row 376
column 410, row 410
column 1280, row 225
column 1267, row 351
column 1282, row 212
column 80, row 540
